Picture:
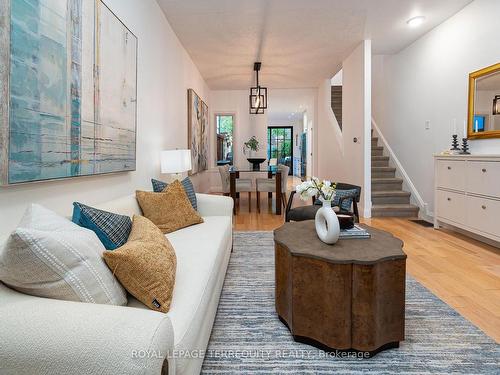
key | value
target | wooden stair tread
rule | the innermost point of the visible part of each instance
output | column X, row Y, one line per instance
column 383, row 169
column 386, row 180
column 390, row 193
column 380, row 157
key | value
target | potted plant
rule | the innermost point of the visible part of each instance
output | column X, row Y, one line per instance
column 252, row 145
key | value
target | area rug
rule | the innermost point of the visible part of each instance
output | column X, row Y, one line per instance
column 248, row 337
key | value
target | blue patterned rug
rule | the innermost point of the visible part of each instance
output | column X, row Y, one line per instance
column 248, row 337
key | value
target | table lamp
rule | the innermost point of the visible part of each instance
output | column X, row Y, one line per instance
column 175, row 162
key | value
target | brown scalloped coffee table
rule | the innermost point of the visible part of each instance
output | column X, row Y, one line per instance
column 345, row 297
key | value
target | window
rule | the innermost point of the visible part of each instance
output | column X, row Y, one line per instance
column 280, row 145
column 225, row 129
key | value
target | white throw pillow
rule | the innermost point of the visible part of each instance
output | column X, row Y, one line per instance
column 49, row 256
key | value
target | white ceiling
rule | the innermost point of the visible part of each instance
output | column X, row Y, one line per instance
column 300, row 42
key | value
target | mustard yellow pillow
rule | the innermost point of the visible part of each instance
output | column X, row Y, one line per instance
column 145, row 265
column 170, row 210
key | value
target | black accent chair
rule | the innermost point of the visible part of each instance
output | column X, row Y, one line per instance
column 309, row 212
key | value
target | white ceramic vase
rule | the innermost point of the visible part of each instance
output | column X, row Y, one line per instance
column 327, row 224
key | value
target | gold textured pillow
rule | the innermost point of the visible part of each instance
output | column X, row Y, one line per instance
column 170, row 210
column 145, row 265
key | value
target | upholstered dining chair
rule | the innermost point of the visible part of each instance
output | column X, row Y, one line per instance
column 346, row 201
column 268, row 185
column 242, row 184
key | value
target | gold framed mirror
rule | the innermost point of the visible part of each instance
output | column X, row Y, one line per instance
column 484, row 103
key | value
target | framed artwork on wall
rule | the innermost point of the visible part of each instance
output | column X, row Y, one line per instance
column 68, row 91
column 198, row 129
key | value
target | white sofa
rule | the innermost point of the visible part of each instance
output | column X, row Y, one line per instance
column 46, row 336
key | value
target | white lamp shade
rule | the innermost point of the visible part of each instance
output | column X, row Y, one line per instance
column 175, row 161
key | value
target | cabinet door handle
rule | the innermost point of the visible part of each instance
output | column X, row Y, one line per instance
column 449, row 167
column 483, row 207
column 483, row 170
column 449, row 198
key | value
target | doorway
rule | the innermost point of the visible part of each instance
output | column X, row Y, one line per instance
column 225, row 131
column 280, row 145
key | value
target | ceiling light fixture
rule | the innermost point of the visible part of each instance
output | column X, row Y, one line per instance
column 258, row 94
column 415, row 21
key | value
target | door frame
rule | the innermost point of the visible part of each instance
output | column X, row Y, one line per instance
column 291, row 138
column 214, row 136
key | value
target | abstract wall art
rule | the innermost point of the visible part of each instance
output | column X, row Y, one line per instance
column 198, row 129
column 68, row 90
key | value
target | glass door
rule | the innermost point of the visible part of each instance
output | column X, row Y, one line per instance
column 280, row 145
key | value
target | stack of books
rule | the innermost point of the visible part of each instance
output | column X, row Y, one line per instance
column 355, row 232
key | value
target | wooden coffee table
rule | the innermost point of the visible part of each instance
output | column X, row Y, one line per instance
column 348, row 297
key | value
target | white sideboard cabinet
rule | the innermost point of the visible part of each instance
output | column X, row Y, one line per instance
column 467, row 193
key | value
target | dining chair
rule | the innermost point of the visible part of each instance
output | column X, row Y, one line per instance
column 242, row 184
column 273, row 162
column 268, row 185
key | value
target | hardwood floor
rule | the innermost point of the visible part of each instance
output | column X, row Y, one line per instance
column 463, row 272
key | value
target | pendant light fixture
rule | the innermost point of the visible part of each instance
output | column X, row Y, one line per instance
column 496, row 105
column 258, row 94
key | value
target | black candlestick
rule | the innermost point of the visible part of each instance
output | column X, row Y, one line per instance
column 454, row 143
column 465, row 147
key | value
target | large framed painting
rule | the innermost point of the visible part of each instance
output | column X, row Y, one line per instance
column 198, row 129
column 68, row 90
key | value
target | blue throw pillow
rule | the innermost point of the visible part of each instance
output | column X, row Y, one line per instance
column 346, row 203
column 112, row 229
column 159, row 186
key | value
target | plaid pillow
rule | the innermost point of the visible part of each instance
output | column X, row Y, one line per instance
column 159, row 186
column 346, row 203
column 112, row 229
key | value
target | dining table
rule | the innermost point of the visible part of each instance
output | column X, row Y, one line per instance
column 271, row 171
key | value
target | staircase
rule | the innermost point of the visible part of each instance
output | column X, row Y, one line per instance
column 388, row 196
column 336, row 103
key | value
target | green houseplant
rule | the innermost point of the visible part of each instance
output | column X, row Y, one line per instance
column 252, row 145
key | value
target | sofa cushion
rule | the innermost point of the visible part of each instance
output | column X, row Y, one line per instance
column 145, row 265
column 170, row 210
column 49, row 256
column 346, row 203
column 159, row 186
column 112, row 229
column 202, row 254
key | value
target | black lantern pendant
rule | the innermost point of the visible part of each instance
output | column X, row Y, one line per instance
column 496, row 105
column 258, row 94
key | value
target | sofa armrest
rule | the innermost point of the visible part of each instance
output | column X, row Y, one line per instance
column 214, row 205
column 46, row 336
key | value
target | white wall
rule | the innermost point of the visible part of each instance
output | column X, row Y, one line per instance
column 339, row 158
column 165, row 72
column 236, row 101
column 246, row 125
column 429, row 81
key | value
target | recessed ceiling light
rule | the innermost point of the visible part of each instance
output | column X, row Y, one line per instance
column 415, row 21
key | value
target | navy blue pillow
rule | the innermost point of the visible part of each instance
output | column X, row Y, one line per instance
column 346, row 203
column 112, row 229
column 159, row 186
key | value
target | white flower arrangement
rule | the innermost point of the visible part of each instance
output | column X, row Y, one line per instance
column 324, row 190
